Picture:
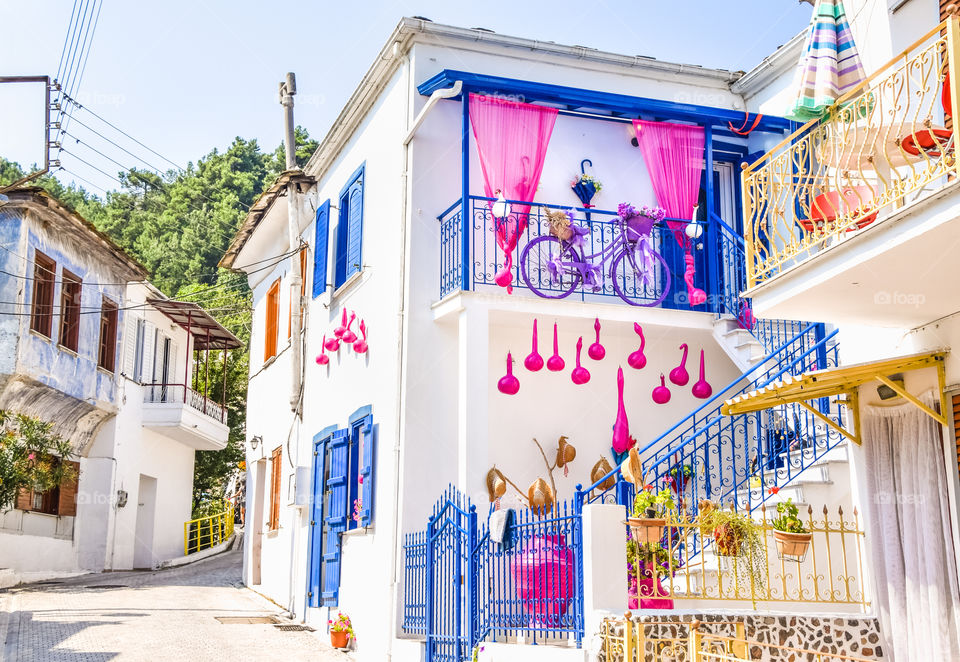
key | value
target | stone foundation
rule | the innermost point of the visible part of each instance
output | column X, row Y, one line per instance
column 665, row 636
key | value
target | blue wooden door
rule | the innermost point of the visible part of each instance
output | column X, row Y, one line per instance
column 315, row 547
column 335, row 517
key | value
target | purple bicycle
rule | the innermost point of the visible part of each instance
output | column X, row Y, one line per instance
column 554, row 265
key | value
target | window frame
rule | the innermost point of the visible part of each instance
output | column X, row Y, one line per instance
column 42, row 293
column 342, row 272
column 71, row 287
column 109, row 319
column 276, row 474
column 271, row 326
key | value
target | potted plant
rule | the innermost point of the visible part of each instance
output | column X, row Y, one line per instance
column 792, row 537
column 679, row 476
column 650, row 511
column 639, row 221
column 646, row 564
column 737, row 537
column 586, row 186
column 341, row 631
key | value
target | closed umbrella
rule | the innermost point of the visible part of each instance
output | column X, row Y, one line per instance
column 830, row 65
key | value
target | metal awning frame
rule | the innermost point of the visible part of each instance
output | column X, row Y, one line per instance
column 845, row 381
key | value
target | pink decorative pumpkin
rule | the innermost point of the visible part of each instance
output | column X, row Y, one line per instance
column 621, row 427
column 636, row 359
column 555, row 363
column 534, row 361
column 340, row 330
column 702, row 389
column 508, row 384
column 661, row 394
column 679, row 375
column 596, row 350
column 322, row 358
column 580, row 375
column 348, row 335
column 360, row 346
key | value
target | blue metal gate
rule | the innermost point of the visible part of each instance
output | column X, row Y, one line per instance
column 451, row 579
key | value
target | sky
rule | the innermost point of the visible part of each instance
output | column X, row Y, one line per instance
column 186, row 76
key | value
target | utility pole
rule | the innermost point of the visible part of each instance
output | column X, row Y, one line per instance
column 288, row 88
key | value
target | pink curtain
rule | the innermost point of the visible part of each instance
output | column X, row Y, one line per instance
column 512, row 139
column 674, row 157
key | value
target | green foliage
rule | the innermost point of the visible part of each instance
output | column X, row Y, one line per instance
column 649, row 557
column 30, row 456
column 788, row 519
column 738, row 537
column 661, row 503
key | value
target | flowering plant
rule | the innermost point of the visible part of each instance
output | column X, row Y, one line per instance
column 31, row 456
column 342, row 624
column 627, row 211
column 647, row 559
column 357, row 505
column 788, row 520
column 648, row 503
column 586, row 179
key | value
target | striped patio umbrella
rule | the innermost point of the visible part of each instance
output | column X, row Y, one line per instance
column 830, row 65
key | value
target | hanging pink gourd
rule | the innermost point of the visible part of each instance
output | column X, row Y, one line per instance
column 348, row 335
column 339, row 331
column 332, row 344
column 508, row 384
column 702, row 389
column 621, row 427
column 534, row 361
column 596, row 350
column 661, row 394
column 636, row 359
column 679, row 375
column 360, row 346
column 580, row 375
column 322, row 358
column 555, row 363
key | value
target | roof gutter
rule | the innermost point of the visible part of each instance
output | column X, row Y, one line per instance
column 446, row 93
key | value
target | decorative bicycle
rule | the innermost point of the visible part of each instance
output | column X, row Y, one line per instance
column 554, row 265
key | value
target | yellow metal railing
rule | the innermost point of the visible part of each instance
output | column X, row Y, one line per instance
column 206, row 532
column 880, row 147
column 627, row 640
column 828, row 570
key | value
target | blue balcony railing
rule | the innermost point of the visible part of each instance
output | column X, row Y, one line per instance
column 718, row 254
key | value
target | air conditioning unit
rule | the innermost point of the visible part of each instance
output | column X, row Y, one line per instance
column 300, row 487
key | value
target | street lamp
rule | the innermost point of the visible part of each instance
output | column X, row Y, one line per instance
column 254, row 441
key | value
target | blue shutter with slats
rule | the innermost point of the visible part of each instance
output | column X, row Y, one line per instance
column 316, row 524
column 320, row 249
column 336, row 515
column 355, row 227
column 366, row 470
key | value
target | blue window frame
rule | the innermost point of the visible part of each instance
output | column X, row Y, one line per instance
column 322, row 232
column 318, row 533
column 349, row 254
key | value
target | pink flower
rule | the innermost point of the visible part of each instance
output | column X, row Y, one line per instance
column 31, row 456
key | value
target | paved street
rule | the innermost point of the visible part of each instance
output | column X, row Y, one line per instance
column 163, row 615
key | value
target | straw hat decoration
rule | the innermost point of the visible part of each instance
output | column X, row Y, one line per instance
column 632, row 469
column 540, row 497
column 601, row 469
column 566, row 454
column 496, row 485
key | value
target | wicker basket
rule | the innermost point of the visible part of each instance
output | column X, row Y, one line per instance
column 792, row 546
column 559, row 225
column 640, row 225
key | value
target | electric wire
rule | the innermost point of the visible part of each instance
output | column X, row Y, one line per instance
column 83, row 68
column 66, row 38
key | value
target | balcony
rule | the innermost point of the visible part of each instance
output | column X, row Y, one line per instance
column 184, row 415
column 470, row 239
column 847, row 217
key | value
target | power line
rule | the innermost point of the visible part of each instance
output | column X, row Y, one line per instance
column 66, row 38
column 94, row 131
column 76, row 88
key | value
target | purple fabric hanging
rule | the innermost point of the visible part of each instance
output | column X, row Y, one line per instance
column 512, row 139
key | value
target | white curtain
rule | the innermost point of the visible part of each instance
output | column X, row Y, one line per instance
column 910, row 534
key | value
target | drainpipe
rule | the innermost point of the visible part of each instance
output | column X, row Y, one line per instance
column 435, row 98
column 288, row 89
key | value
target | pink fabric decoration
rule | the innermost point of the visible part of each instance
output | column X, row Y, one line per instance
column 674, row 157
column 512, row 139
column 543, row 573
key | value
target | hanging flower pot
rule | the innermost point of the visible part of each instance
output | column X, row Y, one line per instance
column 647, row 529
column 729, row 541
column 792, row 546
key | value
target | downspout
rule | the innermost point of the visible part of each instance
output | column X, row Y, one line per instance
column 288, row 89
column 435, row 98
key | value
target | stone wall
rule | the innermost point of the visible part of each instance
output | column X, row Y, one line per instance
column 665, row 636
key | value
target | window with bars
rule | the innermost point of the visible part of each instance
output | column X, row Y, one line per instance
column 70, row 290
column 270, row 327
column 107, row 355
column 44, row 279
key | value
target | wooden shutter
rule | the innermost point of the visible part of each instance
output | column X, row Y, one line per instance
column 67, row 505
column 322, row 231
column 132, row 338
column 44, row 278
column 315, row 559
column 271, row 328
column 70, row 292
column 25, row 500
column 108, row 335
column 367, row 440
column 956, row 425
column 355, row 228
column 275, row 468
column 336, row 515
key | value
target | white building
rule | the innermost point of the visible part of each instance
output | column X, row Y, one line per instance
column 389, row 210
column 91, row 346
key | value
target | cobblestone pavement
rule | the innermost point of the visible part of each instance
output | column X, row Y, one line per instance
column 162, row 615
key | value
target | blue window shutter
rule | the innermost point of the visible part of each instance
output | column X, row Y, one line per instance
column 320, row 249
column 355, row 227
column 336, row 516
column 340, row 268
column 316, row 524
column 366, row 471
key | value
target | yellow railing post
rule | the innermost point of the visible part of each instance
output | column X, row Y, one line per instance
column 186, row 538
column 953, row 67
column 693, row 654
column 627, row 638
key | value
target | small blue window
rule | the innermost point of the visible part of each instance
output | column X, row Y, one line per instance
column 320, row 249
column 350, row 229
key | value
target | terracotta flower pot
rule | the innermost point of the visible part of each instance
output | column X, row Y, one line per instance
column 729, row 542
column 793, row 545
column 339, row 639
column 646, row 529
